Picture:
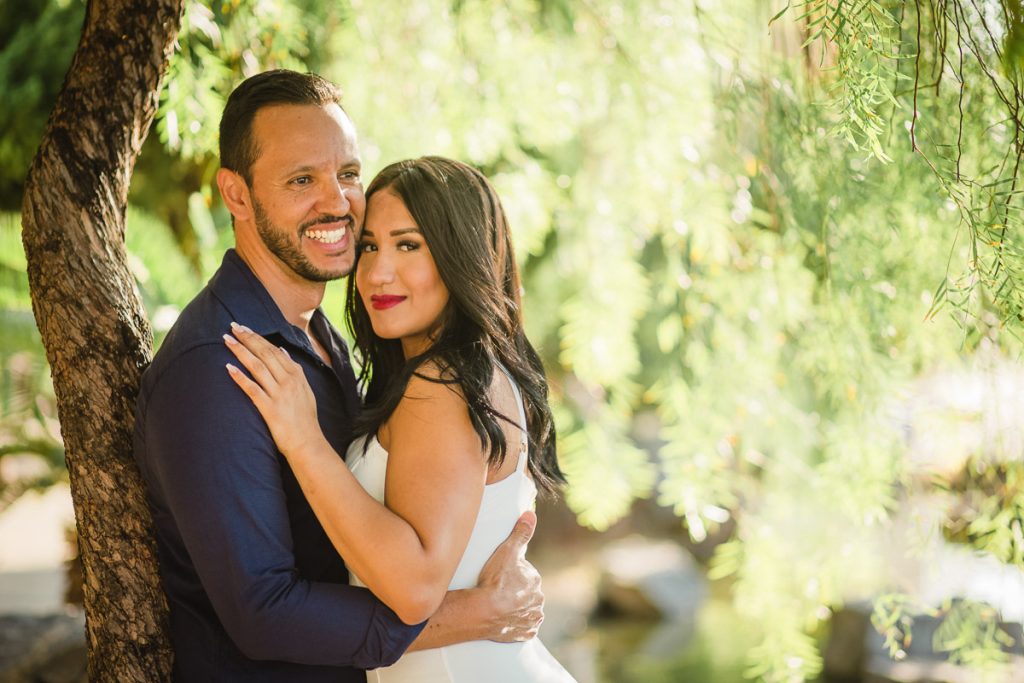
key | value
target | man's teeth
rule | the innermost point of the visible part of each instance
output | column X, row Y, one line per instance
column 326, row 236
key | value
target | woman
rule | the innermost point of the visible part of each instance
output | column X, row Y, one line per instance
column 457, row 434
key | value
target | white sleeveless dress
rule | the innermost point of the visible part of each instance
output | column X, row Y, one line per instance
column 479, row 660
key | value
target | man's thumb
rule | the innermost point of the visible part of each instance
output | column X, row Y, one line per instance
column 525, row 526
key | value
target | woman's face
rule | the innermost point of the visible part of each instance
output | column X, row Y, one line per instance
column 396, row 276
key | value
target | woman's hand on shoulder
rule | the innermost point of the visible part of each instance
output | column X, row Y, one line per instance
column 278, row 388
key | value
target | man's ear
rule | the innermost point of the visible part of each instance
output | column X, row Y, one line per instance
column 235, row 193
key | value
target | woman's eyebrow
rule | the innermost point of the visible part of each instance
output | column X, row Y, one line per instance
column 393, row 233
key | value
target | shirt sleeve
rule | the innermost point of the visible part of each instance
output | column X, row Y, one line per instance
column 221, row 475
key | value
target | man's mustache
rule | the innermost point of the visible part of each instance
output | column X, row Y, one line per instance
column 328, row 219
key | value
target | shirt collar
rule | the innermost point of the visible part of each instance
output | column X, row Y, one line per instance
column 250, row 304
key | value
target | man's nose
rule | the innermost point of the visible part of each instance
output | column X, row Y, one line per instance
column 334, row 199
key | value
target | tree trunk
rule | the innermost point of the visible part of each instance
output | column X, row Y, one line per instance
column 92, row 322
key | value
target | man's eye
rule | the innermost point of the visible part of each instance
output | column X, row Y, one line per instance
column 349, row 177
column 302, row 180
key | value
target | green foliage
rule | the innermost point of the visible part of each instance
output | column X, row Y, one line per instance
column 166, row 277
column 864, row 35
column 30, row 442
column 989, row 512
column 949, row 72
column 714, row 654
column 606, row 469
column 972, row 635
column 871, row 237
column 29, row 433
column 893, row 618
column 37, row 40
column 221, row 43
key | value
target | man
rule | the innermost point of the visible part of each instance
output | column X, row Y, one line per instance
column 256, row 591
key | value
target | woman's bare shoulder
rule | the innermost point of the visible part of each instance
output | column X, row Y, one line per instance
column 433, row 380
column 433, row 395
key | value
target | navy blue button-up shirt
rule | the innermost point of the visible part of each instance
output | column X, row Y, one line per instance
column 256, row 591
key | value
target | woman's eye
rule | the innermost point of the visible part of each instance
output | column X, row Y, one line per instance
column 366, row 247
column 407, row 245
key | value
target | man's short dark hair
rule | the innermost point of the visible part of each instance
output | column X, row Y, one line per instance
column 238, row 149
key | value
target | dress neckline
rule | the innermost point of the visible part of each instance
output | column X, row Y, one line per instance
column 375, row 443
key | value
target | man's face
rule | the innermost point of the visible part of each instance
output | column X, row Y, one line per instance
column 307, row 195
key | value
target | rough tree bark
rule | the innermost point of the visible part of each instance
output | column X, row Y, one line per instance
column 92, row 321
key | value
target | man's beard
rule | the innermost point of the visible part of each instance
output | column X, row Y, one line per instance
column 276, row 240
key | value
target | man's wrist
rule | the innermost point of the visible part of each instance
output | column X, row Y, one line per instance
column 465, row 615
column 484, row 611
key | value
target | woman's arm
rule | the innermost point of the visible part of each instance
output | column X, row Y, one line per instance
column 407, row 552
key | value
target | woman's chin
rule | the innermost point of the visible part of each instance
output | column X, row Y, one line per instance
column 384, row 333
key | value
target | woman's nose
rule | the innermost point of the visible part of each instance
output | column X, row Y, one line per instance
column 381, row 269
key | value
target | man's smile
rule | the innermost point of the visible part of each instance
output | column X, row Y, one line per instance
column 326, row 236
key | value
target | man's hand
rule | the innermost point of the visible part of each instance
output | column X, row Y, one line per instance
column 513, row 586
column 506, row 605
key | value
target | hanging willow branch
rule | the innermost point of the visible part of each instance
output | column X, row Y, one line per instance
column 981, row 48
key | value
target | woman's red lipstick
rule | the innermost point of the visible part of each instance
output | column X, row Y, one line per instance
column 382, row 301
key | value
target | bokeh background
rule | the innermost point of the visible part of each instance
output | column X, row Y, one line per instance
column 769, row 260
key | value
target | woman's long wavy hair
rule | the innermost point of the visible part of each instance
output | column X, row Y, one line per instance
column 465, row 228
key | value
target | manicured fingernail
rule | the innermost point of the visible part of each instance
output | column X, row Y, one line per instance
column 229, row 340
column 284, row 351
column 239, row 328
column 231, row 368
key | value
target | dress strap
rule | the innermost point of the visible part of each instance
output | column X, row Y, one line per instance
column 524, row 439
